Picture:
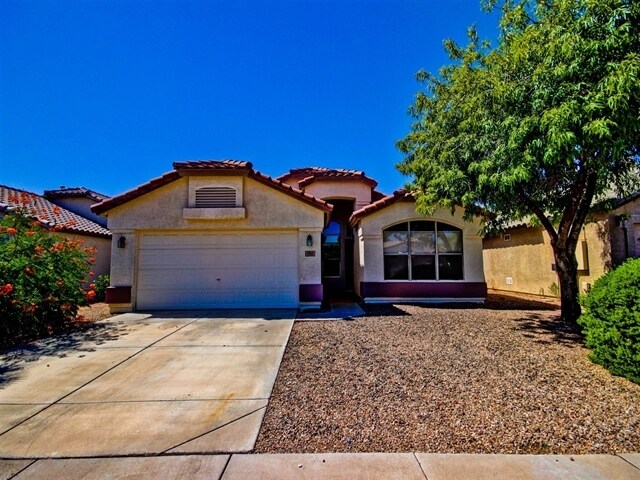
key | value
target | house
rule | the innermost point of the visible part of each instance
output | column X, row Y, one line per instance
column 78, row 200
column 521, row 259
column 69, row 223
column 219, row 234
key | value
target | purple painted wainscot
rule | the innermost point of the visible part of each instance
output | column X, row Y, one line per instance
column 423, row 289
column 118, row 295
column 311, row 293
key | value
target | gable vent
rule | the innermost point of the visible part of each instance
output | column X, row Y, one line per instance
column 216, row 197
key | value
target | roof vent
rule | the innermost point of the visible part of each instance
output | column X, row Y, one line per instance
column 215, row 197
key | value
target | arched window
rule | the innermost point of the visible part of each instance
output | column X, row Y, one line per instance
column 215, row 197
column 422, row 250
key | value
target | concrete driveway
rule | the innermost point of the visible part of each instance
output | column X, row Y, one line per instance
column 171, row 382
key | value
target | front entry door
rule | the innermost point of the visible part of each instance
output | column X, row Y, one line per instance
column 337, row 250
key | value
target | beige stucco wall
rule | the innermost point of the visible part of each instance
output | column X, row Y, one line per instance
column 102, row 264
column 370, row 264
column 324, row 189
column 162, row 210
column 632, row 210
column 527, row 258
column 358, row 258
column 81, row 206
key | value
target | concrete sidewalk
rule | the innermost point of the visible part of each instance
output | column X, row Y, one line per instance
column 333, row 466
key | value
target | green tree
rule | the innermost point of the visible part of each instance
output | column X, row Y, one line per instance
column 537, row 127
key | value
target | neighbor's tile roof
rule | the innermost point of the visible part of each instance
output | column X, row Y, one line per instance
column 209, row 167
column 72, row 192
column 49, row 214
column 312, row 174
column 397, row 196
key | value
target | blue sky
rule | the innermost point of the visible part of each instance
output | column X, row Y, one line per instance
column 108, row 94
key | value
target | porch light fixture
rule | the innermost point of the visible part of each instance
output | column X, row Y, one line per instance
column 309, row 241
column 122, row 242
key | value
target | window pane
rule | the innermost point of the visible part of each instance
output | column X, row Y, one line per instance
column 450, row 267
column 395, row 242
column 400, row 227
column 423, row 267
column 422, row 226
column 423, row 243
column 396, row 267
column 450, row 241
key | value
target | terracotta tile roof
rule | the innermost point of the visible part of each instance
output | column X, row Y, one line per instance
column 289, row 190
column 209, row 167
column 312, row 174
column 71, row 192
column 50, row 214
column 397, row 196
column 614, row 203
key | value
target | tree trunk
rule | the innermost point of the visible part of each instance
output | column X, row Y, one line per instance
column 567, row 269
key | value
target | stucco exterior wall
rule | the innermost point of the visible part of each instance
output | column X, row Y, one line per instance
column 324, row 189
column 162, row 210
column 371, row 244
column 102, row 265
column 525, row 259
column 632, row 210
column 81, row 206
column 528, row 257
column 358, row 259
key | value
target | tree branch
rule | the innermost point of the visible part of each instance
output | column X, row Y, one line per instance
column 583, row 208
column 537, row 211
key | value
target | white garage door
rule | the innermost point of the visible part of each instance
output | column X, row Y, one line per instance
column 180, row 271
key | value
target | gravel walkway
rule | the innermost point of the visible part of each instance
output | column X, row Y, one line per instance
column 504, row 378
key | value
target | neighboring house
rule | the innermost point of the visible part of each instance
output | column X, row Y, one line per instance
column 521, row 259
column 219, row 234
column 72, row 225
column 78, row 200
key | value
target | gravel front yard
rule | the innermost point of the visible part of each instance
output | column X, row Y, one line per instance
column 503, row 378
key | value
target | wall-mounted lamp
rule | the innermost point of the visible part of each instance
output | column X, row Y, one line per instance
column 309, row 241
column 122, row 242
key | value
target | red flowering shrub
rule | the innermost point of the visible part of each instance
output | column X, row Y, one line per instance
column 41, row 277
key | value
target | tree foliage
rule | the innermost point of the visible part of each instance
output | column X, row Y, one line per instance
column 537, row 127
column 611, row 322
column 41, row 276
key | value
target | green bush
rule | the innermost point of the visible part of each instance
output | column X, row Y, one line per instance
column 41, row 276
column 100, row 287
column 611, row 321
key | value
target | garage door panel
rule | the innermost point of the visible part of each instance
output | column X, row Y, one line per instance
column 217, row 271
column 205, row 240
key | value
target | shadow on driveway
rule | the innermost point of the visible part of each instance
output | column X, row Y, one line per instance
column 83, row 339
